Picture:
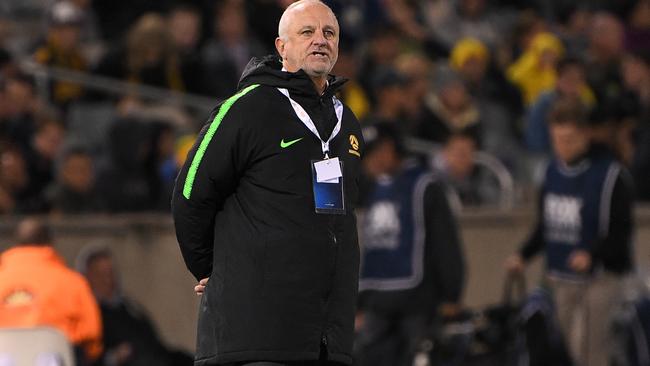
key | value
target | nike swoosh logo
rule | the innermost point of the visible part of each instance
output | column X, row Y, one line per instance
column 284, row 145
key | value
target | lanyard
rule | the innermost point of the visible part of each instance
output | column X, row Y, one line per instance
column 306, row 120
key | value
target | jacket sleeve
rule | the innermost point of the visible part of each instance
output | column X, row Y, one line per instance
column 443, row 242
column 208, row 177
column 87, row 333
column 614, row 249
column 535, row 242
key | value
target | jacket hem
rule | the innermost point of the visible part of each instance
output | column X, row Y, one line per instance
column 268, row 356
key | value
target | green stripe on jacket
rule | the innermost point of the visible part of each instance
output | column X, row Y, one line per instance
column 191, row 173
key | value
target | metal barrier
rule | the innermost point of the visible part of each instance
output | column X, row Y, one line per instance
column 483, row 159
column 44, row 74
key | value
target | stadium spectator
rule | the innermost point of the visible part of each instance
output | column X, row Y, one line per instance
column 127, row 180
column 263, row 18
column 404, row 16
column 572, row 28
column 114, row 19
column 74, row 191
column 147, row 57
column 534, row 71
column 352, row 93
column 14, row 180
column 129, row 335
column 227, row 53
column 584, row 227
column 636, row 76
column 46, row 144
column 450, row 21
column 36, row 288
column 184, row 24
column 603, row 57
column 637, row 34
column 417, row 69
column 389, row 87
column 455, row 164
column 571, row 83
column 412, row 270
column 162, row 159
column 498, row 101
column 8, row 66
column 482, row 76
column 383, row 49
column 62, row 49
column 19, row 106
column 452, row 109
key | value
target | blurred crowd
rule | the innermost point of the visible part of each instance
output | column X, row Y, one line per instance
column 464, row 75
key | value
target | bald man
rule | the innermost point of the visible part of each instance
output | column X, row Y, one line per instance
column 264, row 207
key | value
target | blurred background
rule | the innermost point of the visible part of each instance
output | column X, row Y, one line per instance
column 100, row 101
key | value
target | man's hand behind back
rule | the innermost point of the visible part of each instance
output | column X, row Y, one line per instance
column 200, row 288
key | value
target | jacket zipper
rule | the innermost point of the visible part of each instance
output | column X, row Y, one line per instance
column 332, row 230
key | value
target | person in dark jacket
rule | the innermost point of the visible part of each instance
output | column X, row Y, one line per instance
column 412, row 266
column 264, row 207
column 585, row 227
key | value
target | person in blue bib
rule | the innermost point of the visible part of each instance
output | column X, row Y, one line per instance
column 412, row 266
column 584, row 227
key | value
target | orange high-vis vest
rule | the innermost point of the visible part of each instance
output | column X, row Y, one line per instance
column 36, row 288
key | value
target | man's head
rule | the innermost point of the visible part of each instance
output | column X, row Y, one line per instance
column 569, row 129
column 607, row 37
column 185, row 27
column 470, row 58
column 65, row 20
column 96, row 263
column 33, row 231
column 13, row 170
column 76, row 170
column 308, row 38
column 390, row 86
column 459, row 153
column 635, row 70
column 230, row 22
column 384, row 150
column 48, row 138
column 571, row 77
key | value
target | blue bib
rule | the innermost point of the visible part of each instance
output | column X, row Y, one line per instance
column 393, row 232
column 576, row 204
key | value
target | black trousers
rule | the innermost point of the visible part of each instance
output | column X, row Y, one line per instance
column 322, row 361
column 288, row 363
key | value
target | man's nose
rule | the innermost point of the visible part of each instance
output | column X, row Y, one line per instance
column 319, row 38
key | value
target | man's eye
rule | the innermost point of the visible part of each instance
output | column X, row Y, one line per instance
column 307, row 32
column 329, row 34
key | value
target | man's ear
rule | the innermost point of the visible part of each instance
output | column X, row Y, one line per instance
column 279, row 46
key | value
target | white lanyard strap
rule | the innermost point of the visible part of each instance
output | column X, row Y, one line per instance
column 306, row 120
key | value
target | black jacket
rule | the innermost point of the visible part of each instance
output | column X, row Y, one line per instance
column 283, row 279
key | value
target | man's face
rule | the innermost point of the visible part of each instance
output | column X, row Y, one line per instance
column 311, row 40
column 101, row 277
column 383, row 160
column 570, row 81
column 77, row 173
column 185, row 27
column 460, row 153
column 569, row 141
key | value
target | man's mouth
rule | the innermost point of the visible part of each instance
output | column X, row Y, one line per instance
column 319, row 54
